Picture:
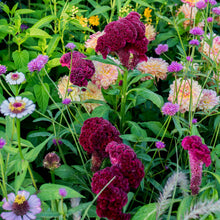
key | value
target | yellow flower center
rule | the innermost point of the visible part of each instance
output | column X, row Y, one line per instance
column 19, row 199
column 17, row 107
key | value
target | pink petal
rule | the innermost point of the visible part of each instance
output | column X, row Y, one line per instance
column 9, row 216
column 31, row 216
column 7, row 206
column 24, row 193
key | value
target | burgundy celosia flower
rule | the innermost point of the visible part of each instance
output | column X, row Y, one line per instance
column 125, row 37
column 81, row 69
column 198, row 154
column 96, row 133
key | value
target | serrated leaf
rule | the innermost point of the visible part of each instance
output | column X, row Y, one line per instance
column 21, row 58
column 99, row 10
column 43, row 21
column 38, row 33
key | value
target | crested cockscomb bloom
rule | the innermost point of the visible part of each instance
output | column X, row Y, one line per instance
column 190, row 2
column 161, row 48
column 51, row 161
column 170, row 109
column 125, row 37
column 209, row 100
column 213, row 50
column 198, row 154
column 196, row 31
column 92, row 41
column 3, row 69
column 96, row 133
column 194, row 42
column 72, row 92
column 2, row 143
column 124, row 157
column 157, row 67
column 175, row 67
column 186, row 93
column 150, row 32
column 92, row 92
column 160, row 145
column 38, row 63
column 201, row 4
column 17, row 107
column 21, row 207
column 216, row 10
column 15, row 78
column 70, row 46
column 105, row 74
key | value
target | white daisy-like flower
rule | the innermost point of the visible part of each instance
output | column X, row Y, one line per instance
column 17, row 107
column 15, row 78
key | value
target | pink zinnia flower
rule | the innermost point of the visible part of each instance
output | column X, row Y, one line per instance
column 175, row 67
column 161, row 48
column 170, row 109
column 21, row 206
column 196, row 31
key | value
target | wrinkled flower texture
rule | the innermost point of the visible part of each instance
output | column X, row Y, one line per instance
column 125, row 36
column 81, row 69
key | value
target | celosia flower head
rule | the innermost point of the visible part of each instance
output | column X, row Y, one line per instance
column 175, row 67
column 161, row 48
column 170, row 109
column 186, row 93
column 196, row 31
column 127, row 38
column 17, row 107
column 38, row 63
column 51, row 161
column 201, row 4
column 22, row 206
column 2, row 143
column 157, row 67
column 194, row 42
column 15, row 78
column 3, row 69
column 160, row 145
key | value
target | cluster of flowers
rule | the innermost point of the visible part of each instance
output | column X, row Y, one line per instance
column 101, row 139
column 199, row 154
column 38, row 63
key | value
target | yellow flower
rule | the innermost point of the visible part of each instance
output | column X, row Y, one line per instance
column 83, row 21
column 94, row 20
column 147, row 15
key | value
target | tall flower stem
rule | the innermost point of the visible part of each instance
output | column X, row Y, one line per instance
column 3, row 186
column 20, row 151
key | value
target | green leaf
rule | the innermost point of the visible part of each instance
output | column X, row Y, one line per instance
column 21, row 59
column 41, row 96
column 38, row 33
column 136, row 129
column 39, row 134
column 24, row 11
column 99, row 10
column 48, row 214
column 177, row 125
column 164, row 18
column 143, row 3
column 80, row 207
column 147, row 212
column 20, row 178
column 53, row 44
column 51, row 192
column 44, row 21
column 53, row 63
column 184, row 207
column 101, row 111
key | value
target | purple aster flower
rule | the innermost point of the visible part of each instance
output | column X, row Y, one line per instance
column 70, row 46
column 194, row 42
column 216, row 11
column 194, row 121
column 175, row 67
column 201, row 4
column 21, row 206
column 62, row 192
column 196, row 31
column 161, row 48
column 66, row 101
column 188, row 58
column 209, row 19
column 3, row 69
column 160, row 144
column 37, row 63
column 170, row 109
column 2, row 142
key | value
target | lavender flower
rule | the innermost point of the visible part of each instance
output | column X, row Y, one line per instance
column 160, row 144
column 216, row 11
column 194, row 121
column 161, row 48
column 188, row 58
column 212, row 2
column 70, row 46
column 194, row 42
column 209, row 19
column 3, row 69
column 66, row 101
column 170, row 109
column 196, row 31
column 175, row 67
column 24, row 27
column 62, row 192
column 2, row 142
column 69, row 90
column 57, row 141
column 38, row 63
column 201, row 4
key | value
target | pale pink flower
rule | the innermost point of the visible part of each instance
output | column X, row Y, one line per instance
column 209, row 99
column 105, row 74
column 212, row 51
column 157, row 67
column 150, row 32
column 190, row 2
column 92, row 92
column 186, row 93
column 92, row 41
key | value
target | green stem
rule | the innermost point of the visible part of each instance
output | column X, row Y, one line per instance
column 5, row 88
column 52, row 176
column 4, row 189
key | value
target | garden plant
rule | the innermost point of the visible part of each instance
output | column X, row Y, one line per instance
column 109, row 109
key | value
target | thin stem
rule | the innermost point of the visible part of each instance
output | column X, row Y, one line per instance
column 4, row 189
column 5, row 88
column 52, row 176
